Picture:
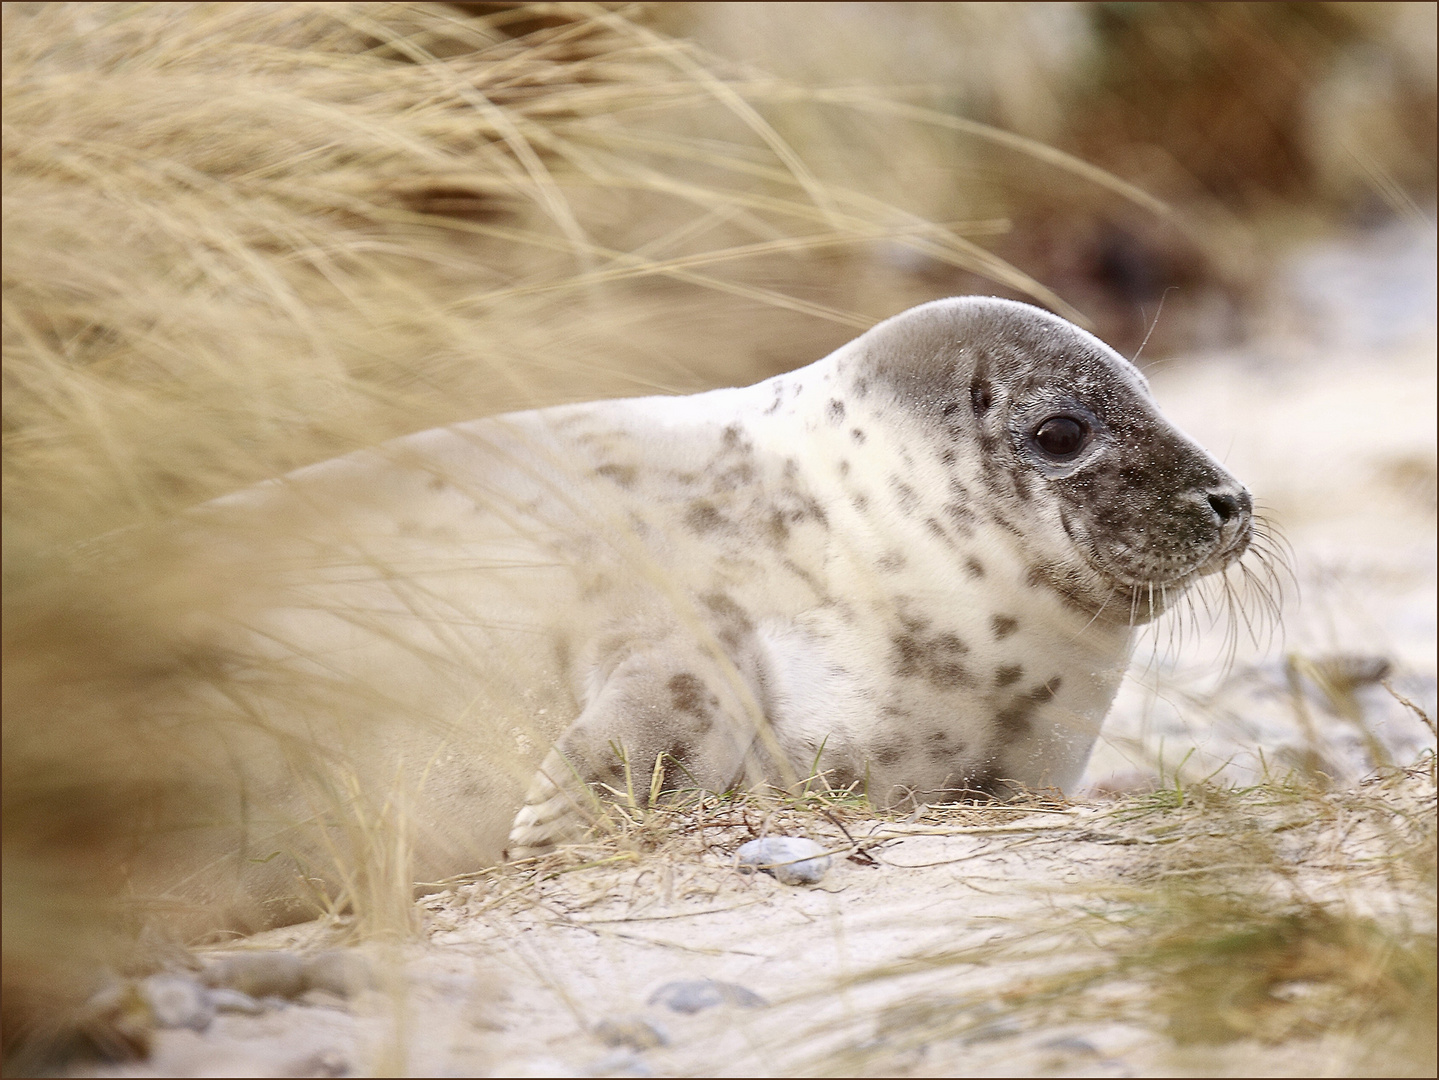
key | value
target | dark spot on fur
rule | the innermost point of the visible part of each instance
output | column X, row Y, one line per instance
column 981, row 396
column 733, row 477
column 777, row 529
column 702, row 517
column 1008, row 674
column 890, row 562
column 727, row 609
column 944, row 751
column 1003, row 625
column 810, row 508
column 437, row 483
column 835, row 409
column 623, row 475
column 950, row 676
column 938, row 530
column 934, row 659
column 808, row 578
column 860, row 501
column 905, row 495
column 974, row 568
column 1007, row 525
column 1014, row 721
column 843, row 467
column 888, row 753
column 1040, row 694
column 734, row 439
column 857, row 435
column 688, row 694
column 947, row 456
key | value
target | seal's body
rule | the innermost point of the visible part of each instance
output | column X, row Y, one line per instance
column 915, row 566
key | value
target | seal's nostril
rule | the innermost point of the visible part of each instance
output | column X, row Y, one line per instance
column 1226, row 506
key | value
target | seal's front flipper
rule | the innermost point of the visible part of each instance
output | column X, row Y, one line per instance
column 694, row 714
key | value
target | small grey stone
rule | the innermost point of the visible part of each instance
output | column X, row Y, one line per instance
column 226, row 1000
column 324, row 1063
column 1070, row 1044
column 691, row 995
column 991, row 1032
column 178, row 1002
column 793, row 860
column 338, row 972
column 619, row 1063
column 260, row 974
column 635, row 1032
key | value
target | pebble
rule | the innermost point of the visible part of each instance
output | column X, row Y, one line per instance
column 260, row 974
column 336, row 971
column 691, row 995
column 634, row 1032
column 792, row 860
column 178, row 1002
column 1070, row 1044
column 332, row 974
column 226, row 1000
column 619, row 1063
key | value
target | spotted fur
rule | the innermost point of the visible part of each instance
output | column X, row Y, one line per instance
column 868, row 566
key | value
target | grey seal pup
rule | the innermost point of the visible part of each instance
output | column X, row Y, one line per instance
column 915, row 567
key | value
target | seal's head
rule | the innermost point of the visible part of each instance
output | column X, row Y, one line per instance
column 1114, row 507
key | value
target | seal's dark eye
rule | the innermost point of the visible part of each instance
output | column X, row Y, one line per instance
column 1061, row 436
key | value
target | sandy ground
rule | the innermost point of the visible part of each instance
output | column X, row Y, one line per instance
column 1332, row 423
column 916, row 965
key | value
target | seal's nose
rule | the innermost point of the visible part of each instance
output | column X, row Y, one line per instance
column 1224, row 504
column 1234, row 510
